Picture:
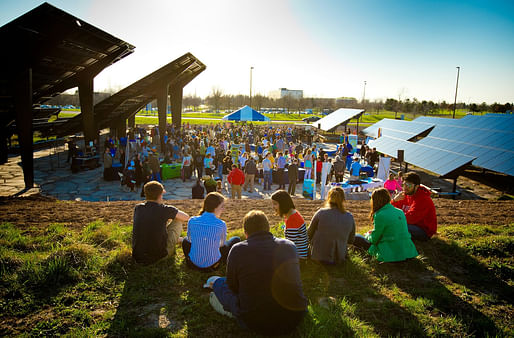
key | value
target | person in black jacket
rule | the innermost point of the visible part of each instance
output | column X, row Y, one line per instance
column 250, row 172
column 263, row 288
column 197, row 191
column 292, row 173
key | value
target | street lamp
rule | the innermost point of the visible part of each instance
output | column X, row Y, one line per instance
column 251, row 69
column 456, row 87
column 364, row 95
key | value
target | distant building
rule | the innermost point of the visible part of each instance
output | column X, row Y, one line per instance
column 284, row 92
column 346, row 101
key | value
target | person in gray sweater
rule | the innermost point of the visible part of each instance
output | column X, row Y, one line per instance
column 331, row 229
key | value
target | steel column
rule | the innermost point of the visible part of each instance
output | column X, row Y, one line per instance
column 176, row 105
column 86, row 109
column 162, row 106
column 23, row 107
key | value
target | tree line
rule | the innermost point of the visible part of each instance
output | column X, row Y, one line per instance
column 219, row 101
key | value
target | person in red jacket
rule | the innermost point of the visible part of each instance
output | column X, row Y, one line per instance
column 418, row 207
column 236, row 178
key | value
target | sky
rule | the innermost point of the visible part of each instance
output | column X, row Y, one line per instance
column 328, row 48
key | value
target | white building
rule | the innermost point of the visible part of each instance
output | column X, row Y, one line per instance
column 284, row 92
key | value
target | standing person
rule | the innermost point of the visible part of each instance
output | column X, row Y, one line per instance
column 390, row 240
column 295, row 230
column 339, row 167
column 331, row 229
column 281, row 165
column 267, row 173
column 355, row 169
column 198, row 161
column 292, row 173
column 236, row 178
column 418, row 207
column 227, row 166
column 205, row 246
column 207, row 163
column 108, row 170
column 263, row 288
column 154, row 235
column 307, row 163
column 186, row 167
column 319, row 168
column 155, row 165
column 250, row 172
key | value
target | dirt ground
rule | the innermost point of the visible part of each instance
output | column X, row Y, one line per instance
column 39, row 212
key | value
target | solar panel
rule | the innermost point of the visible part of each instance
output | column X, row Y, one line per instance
column 439, row 161
column 400, row 129
column 337, row 117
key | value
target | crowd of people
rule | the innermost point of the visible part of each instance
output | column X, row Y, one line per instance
column 262, row 289
column 230, row 158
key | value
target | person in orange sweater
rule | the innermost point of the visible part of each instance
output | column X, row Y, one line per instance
column 236, row 178
column 418, row 207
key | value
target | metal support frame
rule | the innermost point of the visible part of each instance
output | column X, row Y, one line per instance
column 162, row 106
column 121, row 128
column 23, row 107
column 132, row 121
column 176, row 105
column 86, row 108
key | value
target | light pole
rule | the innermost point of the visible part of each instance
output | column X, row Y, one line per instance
column 251, row 70
column 456, row 87
column 364, row 95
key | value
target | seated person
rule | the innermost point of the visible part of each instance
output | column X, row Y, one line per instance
column 198, row 190
column 205, row 247
column 418, row 207
column 263, row 288
column 209, row 183
column 392, row 185
column 331, row 228
column 129, row 176
column 389, row 241
column 153, row 235
column 296, row 230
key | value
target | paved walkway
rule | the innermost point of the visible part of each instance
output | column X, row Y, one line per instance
column 53, row 177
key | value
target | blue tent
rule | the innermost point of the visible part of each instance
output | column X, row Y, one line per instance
column 245, row 114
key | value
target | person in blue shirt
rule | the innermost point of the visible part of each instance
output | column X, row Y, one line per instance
column 281, row 165
column 355, row 168
column 205, row 246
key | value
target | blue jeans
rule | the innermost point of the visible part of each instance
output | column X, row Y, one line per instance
column 228, row 299
column 417, row 233
column 268, row 180
column 156, row 177
column 220, row 171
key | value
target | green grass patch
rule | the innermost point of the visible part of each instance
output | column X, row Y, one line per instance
column 83, row 282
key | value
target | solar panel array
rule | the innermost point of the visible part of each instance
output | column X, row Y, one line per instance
column 442, row 162
column 337, row 117
column 400, row 129
column 489, row 138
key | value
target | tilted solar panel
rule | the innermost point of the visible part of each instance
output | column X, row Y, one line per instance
column 404, row 130
column 439, row 161
column 337, row 118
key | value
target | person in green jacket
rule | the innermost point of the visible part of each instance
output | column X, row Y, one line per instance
column 390, row 240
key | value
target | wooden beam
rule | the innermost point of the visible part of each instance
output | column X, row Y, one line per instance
column 23, row 107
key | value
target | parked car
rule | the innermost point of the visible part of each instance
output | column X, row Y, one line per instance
column 311, row 119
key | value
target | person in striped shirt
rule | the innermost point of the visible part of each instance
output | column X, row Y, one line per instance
column 205, row 246
column 296, row 230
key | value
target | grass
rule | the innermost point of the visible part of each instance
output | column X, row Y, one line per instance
column 83, row 282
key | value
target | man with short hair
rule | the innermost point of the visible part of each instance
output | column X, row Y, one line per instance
column 263, row 288
column 418, row 207
column 250, row 171
column 153, row 235
column 236, row 178
column 267, row 172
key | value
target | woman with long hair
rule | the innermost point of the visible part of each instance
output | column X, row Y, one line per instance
column 296, row 230
column 331, row 229
column 390, row 240
column 307, row 163
column 205, row 246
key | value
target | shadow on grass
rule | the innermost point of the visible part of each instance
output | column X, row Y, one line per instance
column 443, row 291
column 369, row 311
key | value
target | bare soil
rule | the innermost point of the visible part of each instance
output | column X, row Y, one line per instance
column 38, row 211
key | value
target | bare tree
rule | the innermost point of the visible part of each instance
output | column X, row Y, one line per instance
column 214, row 100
